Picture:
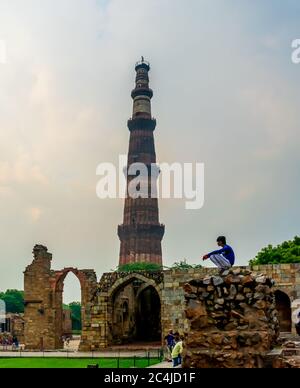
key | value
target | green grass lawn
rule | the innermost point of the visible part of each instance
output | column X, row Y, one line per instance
column 67, row 363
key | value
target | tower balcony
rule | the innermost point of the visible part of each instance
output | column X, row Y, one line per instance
column 142, row 92
column 140, row 231
column 141, row 122
column 142, row 65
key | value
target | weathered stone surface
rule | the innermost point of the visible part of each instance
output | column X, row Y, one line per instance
column 226, row 273
column 100, row 310
column 232, row 292
column 240, row 326
column 44, row 301
column 218, row 281
column 247, row 280
column 261, row 279
column 260, row 304
column 207, row 280
column 259, row 296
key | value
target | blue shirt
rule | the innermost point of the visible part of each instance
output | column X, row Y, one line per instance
column 227, row 252
column 170, row 339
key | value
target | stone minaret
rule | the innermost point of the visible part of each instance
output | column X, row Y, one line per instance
column 141, row 233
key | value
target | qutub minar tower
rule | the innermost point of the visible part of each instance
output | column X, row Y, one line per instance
column 141, row 233
column 142, row 306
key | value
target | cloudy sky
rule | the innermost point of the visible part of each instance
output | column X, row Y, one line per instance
column 226, row 94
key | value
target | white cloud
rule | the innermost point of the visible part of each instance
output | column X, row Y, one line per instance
column 34, row 214
column 22, row 171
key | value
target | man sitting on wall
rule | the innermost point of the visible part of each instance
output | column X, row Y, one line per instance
column 223, row 258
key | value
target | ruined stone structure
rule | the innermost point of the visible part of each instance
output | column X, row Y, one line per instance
column 14, row 325
column 44, row 300
column 233, row 321
column 141, row 233
column 115, row 315
column 129, row 307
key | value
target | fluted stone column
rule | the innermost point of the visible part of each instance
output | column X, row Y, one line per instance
column 141, row 232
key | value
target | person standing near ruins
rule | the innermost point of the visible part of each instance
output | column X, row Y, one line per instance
column 170, row 343
column 177, row 352
column 15, row 343
column 223, row 258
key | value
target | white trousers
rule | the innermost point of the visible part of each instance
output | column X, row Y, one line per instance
column 220, row 261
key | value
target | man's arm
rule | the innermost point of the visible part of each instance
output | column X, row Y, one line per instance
column 219, row 252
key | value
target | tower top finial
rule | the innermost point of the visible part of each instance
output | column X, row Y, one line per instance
column 142, row 64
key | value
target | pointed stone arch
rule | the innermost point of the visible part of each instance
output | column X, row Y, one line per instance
column 129, row 289
column 113, row 291
column 43, row 301
column 121, row 282
column 84, row 277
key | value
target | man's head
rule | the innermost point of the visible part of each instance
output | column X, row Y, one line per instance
column 221, row 241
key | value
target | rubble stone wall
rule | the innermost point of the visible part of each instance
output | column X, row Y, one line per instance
column 286, row 277
column 44, row 289
column 233, row 320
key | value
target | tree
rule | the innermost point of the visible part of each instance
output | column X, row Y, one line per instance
column 75, row 308
column 184, row 266
column 286, row 253
column 14, row 301
column 150, row 267
column 138, row 267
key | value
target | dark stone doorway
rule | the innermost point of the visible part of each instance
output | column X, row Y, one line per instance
column 283, row 305
column 148, row 317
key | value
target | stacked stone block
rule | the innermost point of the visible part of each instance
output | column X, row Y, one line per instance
column 233, row 320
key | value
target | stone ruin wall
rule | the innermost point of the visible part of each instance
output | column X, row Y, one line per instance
column 170, row 286
column 233, row 321
column 286, row 277
column 104, row 313
column 44, row 287
column 39, row 315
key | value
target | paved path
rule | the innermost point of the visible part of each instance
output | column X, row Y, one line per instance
column 163, row 365
column 71, row 351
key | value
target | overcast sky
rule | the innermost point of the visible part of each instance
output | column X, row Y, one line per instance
column 226, row 94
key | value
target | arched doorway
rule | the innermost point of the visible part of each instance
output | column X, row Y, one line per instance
column 72, row 316
column 136, row 312
column 284, row 308
column 69, row 314
column 148, row 316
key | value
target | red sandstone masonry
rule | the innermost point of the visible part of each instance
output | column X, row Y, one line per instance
column 42, row 300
